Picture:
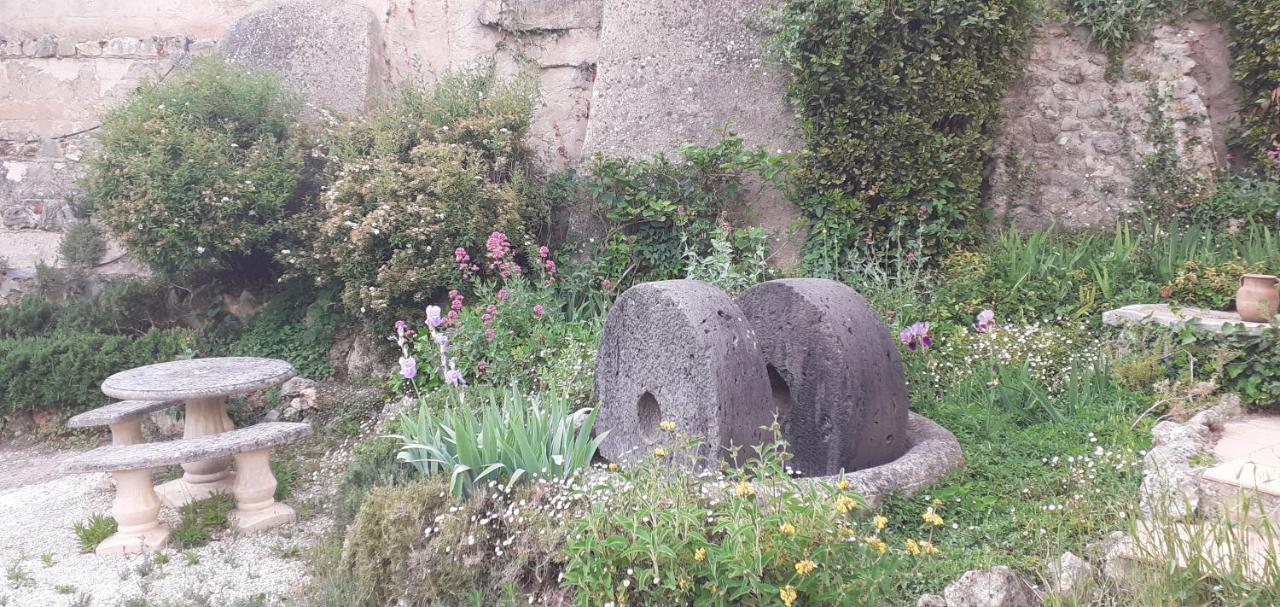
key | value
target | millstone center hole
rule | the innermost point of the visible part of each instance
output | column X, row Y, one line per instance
column 650, row 415
column 781, row 396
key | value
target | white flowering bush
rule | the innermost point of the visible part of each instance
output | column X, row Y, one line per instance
column 200, row 172
column 437, row 170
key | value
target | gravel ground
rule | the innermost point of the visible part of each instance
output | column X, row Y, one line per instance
column 44, row 566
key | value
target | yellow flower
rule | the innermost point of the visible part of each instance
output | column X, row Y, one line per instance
column 932, row 518
column 843, row 485
column 744, row 489
column 879, row 521
column 875, row 543
column 660, row 452
column 937, row 503
column 788, row 529
column 684, row 583
column 912, row 547
column 667, row 426
column 614, row 467
column 928, row 547
column 788, row 595
column 700, row 554
column 806, row 567
column 845, row 504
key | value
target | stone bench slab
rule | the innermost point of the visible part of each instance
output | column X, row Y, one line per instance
column 154, row 455
column 1211, row 321
column 122, row 411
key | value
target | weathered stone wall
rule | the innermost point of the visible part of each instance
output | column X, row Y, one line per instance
column 1073, row 140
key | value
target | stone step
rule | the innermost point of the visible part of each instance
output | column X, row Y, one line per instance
column 1214, row 547
column 1243, row 483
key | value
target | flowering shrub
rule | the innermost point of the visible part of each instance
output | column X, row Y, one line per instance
column 437, row 170
column 657, row 536
column 200, row 172
column 1049, row 354
column 1211, row 286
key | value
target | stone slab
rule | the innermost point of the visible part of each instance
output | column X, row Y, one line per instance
column 198, row 378
column 541, row 15
column 679, row 351
column 835, row 372
column 1174, row 317
column 118, row 412
column 327, row 52
column 153, row 455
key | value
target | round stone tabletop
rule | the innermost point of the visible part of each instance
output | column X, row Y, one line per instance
column 198, row 378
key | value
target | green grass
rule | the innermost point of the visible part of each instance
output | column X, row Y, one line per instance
column 201, row 519
column 94, row 530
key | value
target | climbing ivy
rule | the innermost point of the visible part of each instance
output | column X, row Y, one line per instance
column 898, row 102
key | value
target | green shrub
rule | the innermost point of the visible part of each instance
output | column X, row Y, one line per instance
column 29, row 316
column 511, row 439
column 1237, row 202
column 64, row 371
column 659, row 212
column 1115, row 25
column 374, row 463
column 1210, row 286
column 898, row 104
column 94, row 530
column 736, row 259
column 83, row 245
column 201, row 519
column 376, row 553
column 656, row 536
column 437, row 170
column 199, row 172
column 1256, row 67
column 297, row 325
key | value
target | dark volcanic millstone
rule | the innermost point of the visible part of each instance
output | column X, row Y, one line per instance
column 679, row 350
column 834, row 371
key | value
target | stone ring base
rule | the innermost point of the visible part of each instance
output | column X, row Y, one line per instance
column 933, row 452
column 180, row 492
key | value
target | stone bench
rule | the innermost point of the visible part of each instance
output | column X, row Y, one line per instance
column 136, row 507
column 124, row 418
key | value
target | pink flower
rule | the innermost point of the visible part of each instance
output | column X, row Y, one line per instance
column 489, row 334
column 453, row 315
column 538, row 311
column 544, row 252
column 492, row 309
column 607, row 284
column 497, row 246
column 482, row 365
column 503, row 294
column 486, row 318
column 460, row 256
column 551, row 267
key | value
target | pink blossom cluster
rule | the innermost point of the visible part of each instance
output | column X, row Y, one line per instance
column 502, row 255
column 463, row 260
column 1274, row 154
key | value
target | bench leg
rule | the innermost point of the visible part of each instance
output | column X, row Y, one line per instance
column 201, row 479
column 255, row 488
column 127, row 432
column 135, row 509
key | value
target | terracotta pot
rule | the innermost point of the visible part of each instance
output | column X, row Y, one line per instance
column 1258, row 299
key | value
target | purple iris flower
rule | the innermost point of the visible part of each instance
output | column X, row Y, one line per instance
column 408, row 367
column 986, row 321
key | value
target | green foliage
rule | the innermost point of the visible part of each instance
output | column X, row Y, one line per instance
column 83, row 245
column 1255, row 58
column 199, row 172
column 286, row 472
column 63, row 371
column 658, row 536
column 1238, row 201
column 1115, row 25
column 1212, row 286
column 374, row 463
column 661, row 211
column 1242, row 363
column 735, row 261
column 511, row 439
column 375, row 558
column 92, row 531
column 1166, row 183
column 898, row 104
column 201, row 519
column 438, row 169
column 297, row 325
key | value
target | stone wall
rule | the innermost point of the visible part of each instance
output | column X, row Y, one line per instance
column 1073, row 139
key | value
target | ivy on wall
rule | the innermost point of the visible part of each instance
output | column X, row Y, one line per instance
column 1255, row 40
column 898, row 103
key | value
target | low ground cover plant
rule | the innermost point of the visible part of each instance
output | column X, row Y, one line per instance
column 94, row 530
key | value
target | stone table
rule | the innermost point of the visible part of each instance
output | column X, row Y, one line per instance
column 204, row 384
